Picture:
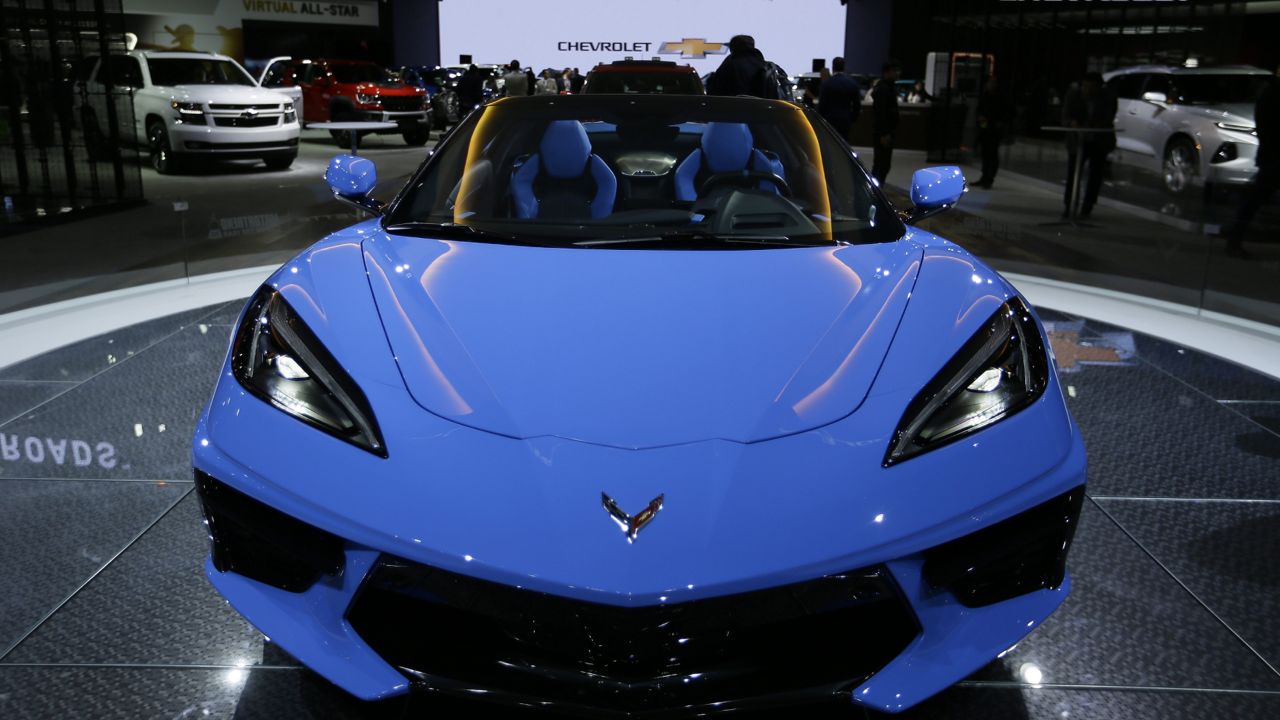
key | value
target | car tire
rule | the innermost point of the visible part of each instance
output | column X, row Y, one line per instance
column 341, row 138
column 1181, row 165
column 163, row 159
column 342, row 112
column 280, row 161
column 446, row 110
column 417, row 138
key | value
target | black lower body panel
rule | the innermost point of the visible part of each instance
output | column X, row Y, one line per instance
column 457, row 634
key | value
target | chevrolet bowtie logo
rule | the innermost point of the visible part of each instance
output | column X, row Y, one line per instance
column 693, row 48
column 631, row 524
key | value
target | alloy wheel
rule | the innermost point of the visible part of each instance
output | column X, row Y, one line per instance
column 161, row 155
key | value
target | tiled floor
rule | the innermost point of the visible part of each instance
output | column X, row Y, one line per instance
column 104, row 613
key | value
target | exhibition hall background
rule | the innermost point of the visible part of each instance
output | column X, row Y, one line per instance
column 74, row 226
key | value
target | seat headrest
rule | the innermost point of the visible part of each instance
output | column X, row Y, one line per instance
column 726, row 146
column 564, row 149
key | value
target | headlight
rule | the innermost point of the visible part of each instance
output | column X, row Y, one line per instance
column 276, row 357
column 188, row 112
column 290, row 115
column 1236, row 127
column 366, row 98
column 999, row 371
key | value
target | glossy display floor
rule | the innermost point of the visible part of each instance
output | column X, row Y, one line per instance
column 105, row 612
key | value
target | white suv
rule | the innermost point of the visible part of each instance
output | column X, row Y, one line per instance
column 1188, row 124
column 187, row 105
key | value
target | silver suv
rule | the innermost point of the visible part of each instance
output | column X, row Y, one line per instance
column 1189, row 125
column 187, row 105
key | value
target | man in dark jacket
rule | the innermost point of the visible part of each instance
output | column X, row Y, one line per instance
column 1089, row 106
column 1266, row 118
column 470, row 89
column 991, row 125
column 742, row 72
column 839, row 99
column 884, row 107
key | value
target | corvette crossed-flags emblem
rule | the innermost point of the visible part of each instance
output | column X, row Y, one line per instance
column 631, row 525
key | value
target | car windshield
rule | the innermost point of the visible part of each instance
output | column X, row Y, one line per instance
column 680, row 83
column 614, row 170
column 361, row 73
column 1219, row 89
column 196, row 71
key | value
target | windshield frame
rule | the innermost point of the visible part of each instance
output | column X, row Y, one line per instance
column 895, row 228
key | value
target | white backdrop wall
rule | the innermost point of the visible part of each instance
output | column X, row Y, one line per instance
column 581, row 33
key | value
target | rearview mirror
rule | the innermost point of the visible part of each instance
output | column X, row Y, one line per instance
column 1155, row 97
column 933, row 190
column 351, row 179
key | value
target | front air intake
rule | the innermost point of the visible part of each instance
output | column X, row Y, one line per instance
column 1015, row 556
column 253, row 539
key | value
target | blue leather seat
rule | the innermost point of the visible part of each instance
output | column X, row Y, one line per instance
column 726, row 147
column 564, row 179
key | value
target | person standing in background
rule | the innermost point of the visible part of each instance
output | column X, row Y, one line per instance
column 1266, row 118
column 919, row 94
column 1088, row 105
column 991, row 125
column 884, row 109
column 839, row 99
column 515, row 82
column 547, row 85
column 470, row 89
column 742, row 72
column 576, row 81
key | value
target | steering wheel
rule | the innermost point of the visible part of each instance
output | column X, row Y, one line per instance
column 745, row 178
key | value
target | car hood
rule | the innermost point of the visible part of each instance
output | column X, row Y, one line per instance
column 638, row 348
column 230, row 94
column 392, row 88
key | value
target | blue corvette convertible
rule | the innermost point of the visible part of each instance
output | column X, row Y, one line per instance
column 640, row 405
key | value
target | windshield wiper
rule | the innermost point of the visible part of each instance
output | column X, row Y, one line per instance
column 694, row 238
column 418, row 228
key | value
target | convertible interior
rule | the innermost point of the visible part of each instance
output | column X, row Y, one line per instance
column 719, row 177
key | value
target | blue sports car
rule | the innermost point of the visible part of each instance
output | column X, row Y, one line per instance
column 640, row 405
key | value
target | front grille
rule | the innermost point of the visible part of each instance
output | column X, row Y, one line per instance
column 402, row 104
column 225, row 106
column 246, row 122
column 450, row 631
column 255, row 540
column 1024, row 553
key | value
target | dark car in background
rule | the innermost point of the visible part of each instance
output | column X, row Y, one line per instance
column 441, row 84
column 353, row 90
column 630, row 76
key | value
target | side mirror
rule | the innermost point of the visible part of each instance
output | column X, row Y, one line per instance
column 351, row 179
column 933, row 190
column 1158, row 98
